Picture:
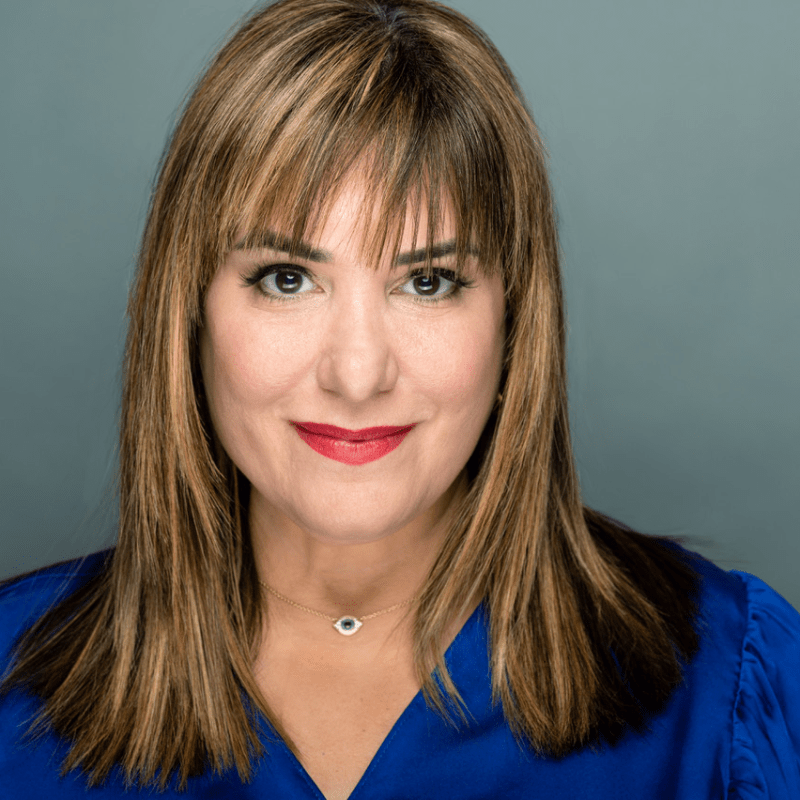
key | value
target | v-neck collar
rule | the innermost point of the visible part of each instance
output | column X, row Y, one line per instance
column 457, row 657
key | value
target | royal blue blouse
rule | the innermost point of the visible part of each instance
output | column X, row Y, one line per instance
column 732, row 729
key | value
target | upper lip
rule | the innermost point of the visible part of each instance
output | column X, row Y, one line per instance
column 361, row 435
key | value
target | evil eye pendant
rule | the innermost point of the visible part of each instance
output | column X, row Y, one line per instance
column 347, row 626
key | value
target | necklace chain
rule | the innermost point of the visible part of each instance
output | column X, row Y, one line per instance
column 327, row 616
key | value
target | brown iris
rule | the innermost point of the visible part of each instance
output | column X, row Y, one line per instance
column 427, row 284
column 287, row 281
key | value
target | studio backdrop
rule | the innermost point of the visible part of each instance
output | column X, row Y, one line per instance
column 673, row 129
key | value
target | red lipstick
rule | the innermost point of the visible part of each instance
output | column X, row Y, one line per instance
column 352, row 447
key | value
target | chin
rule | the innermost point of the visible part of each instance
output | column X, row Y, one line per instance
column 353, row 528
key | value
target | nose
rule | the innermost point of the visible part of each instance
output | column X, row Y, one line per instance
column 357, row 360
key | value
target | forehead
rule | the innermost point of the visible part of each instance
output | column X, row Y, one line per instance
column 354, row 215
column 357, row 218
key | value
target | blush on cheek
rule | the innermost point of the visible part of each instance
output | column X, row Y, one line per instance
column 262, row 363
column 473, row 370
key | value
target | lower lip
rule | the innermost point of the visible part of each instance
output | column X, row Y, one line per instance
column 353, row 453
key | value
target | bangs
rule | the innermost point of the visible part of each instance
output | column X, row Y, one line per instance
column 354, row 95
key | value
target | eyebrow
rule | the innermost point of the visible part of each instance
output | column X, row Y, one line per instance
column 437, row 251
column 267, row 239
column 271, row 240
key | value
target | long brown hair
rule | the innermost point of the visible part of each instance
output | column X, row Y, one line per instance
column 149, row 665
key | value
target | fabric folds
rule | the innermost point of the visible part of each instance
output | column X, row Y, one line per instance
column 732, row 729
column 765, row 760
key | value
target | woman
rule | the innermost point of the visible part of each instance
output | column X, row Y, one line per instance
column 352, row 555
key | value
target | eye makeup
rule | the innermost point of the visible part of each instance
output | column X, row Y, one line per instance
column 263, row 270
column 434, row 277
column 427, row 282
column 293, row 278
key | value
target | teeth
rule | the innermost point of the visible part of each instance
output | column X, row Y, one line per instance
column 347, row 626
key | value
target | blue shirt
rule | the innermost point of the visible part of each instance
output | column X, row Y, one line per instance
column 732, row 729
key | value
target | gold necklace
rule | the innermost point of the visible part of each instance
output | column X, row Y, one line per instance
column 346, row 625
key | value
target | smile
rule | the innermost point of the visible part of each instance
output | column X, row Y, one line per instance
column 352, row 447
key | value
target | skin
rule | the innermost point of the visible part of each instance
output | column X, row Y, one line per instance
column 354, row 347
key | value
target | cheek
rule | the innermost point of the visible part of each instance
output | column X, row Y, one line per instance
column 462, row 367
column 247, row 364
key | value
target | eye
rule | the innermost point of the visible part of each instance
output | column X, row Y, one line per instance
column 279, row 281
column 436, row 285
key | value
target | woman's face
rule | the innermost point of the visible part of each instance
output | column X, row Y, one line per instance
column 290, row 348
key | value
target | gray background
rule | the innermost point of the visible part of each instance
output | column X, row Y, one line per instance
column 673, row 129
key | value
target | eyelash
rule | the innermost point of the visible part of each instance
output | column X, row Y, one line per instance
column 265, row 270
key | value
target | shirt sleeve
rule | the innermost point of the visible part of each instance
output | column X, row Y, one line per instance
column 765, row 751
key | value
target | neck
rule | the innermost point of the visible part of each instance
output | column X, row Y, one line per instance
column 375, row 571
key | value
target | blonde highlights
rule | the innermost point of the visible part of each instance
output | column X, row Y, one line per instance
column 149, row 666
